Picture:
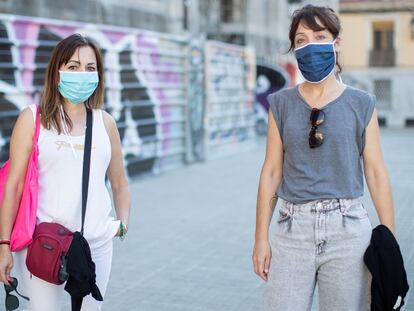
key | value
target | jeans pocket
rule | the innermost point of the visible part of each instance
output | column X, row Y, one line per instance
column 355, row 220
column 285, row 219
column 283, row 216
column 355, row 211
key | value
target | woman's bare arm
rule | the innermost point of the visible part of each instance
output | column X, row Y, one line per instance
column 116, row 172
column 376, row 175
column 270, row 178
column 21, row 143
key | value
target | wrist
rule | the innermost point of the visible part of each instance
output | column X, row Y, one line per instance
column 4, row 247
column 391, row 227
column 262, row 236
column 261, row 240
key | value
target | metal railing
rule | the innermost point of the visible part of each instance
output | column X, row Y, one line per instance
column 382, row 58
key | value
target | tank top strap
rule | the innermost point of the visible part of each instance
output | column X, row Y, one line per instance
column 98, row 119
column 99, row 125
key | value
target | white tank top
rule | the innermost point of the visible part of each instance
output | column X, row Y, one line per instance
column 60, row 182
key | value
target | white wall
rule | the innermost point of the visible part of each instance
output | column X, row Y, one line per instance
column 402, row 91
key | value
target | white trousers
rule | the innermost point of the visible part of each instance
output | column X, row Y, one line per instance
column 45, row 296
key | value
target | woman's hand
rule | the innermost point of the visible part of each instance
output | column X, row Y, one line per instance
column 262, row 254
column 6, row 263
column 118, row 233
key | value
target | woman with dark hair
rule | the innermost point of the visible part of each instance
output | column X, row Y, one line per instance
column 322, row 137
column 74, row 82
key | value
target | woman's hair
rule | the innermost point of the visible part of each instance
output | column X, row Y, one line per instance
column 307, row 16
column 51, row 97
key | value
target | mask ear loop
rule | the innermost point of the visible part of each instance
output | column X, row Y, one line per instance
column 339, row 78
column 338, row 75
column 66, row 131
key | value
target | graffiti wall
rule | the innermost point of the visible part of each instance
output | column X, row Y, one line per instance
column 269, row 79
column 195, row 96
column 155, row 88
column 145, row 84
column 230, row 73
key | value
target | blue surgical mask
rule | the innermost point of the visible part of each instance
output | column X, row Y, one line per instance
column 316, row 61
column 77, row 87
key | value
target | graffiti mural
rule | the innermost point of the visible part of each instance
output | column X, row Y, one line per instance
column 230, row 73
column 174, row 100
column 270, row 79
column 144, row 76
column 196, row 94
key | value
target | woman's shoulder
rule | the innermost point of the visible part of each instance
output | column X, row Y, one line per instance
column 24, row 127
column 362, row 102
column 106, row 116
column 108, row 121
column 280, row 96
column 27, row 116
column 361, row 95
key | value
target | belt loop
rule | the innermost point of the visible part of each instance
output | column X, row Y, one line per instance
column 341, row 205
column 290, row 208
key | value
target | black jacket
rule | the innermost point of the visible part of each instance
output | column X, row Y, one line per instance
column 389, row 279
column 81, row 269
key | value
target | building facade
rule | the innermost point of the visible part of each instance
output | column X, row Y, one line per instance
column 378, row 55
column 261, row 23
column 155, row 15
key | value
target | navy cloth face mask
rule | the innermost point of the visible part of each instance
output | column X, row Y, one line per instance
column 316, row 61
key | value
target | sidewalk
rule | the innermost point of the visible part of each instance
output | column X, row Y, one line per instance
column 192, row 231
column 191, row 234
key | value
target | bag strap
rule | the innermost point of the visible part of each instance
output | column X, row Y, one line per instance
column 37, row 126
column 86, row 163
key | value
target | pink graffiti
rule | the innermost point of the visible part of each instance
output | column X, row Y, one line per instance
column 114, row 36
column 61, row 31
column 26, row 33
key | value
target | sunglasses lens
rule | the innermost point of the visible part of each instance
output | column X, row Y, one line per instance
column 317, row 117
column 315, row 139
column 12, row 303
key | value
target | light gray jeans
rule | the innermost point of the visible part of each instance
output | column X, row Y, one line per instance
column 320, row 242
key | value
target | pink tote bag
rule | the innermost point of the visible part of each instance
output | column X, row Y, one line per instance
column 24, row 225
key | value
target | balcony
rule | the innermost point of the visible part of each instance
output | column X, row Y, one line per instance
column 382, row 58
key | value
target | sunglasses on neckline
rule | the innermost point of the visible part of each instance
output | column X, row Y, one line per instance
column 12, row 302
column 317, row 117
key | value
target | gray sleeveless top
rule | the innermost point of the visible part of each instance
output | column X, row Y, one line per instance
column 333, row 170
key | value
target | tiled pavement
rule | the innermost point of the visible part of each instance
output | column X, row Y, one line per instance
column 191, row 234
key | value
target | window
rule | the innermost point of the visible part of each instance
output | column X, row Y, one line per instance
column 382, row 90
column 383, row 52
column 232, row 10
column 383, row 36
